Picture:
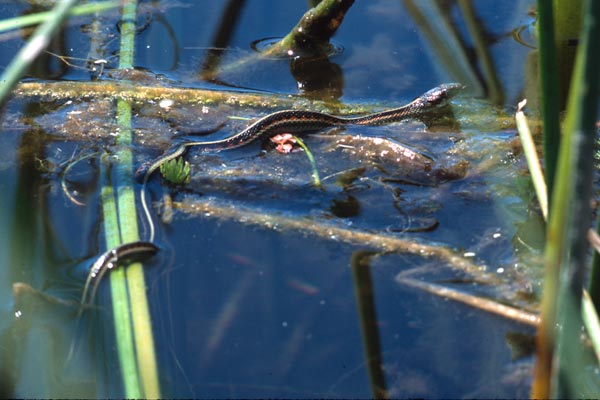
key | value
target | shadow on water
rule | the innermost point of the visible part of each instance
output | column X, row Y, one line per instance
column 266, row 285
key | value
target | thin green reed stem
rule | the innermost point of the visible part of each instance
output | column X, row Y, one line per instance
column 580, row 130
column 550, row 95
column 118, row 287
column 132, row 301
column 138, row 302
column 127, row 34
column 36, row 44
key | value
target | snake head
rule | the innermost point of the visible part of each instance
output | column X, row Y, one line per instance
column 142, row 170
column 442, row 93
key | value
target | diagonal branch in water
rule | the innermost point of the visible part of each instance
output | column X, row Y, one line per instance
column 381, row 242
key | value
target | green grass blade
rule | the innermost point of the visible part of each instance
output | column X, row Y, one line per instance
column 568, row 15
column 37, row 18
column 566, row 247
column 36, row 44
column 550, row 99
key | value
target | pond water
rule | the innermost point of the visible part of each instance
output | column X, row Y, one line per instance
column 258, row 289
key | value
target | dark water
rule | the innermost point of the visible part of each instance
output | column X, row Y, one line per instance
column 242, row 308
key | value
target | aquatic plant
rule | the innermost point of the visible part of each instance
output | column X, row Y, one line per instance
column 176, row 171
column 138, row 366
column 560, row 363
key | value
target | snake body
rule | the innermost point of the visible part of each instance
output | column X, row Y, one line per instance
column 297, row 121
column 109, row 260
column 287, row 121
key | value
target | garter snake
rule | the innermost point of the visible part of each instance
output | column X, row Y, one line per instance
column 297, row 121
column 107, row 261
